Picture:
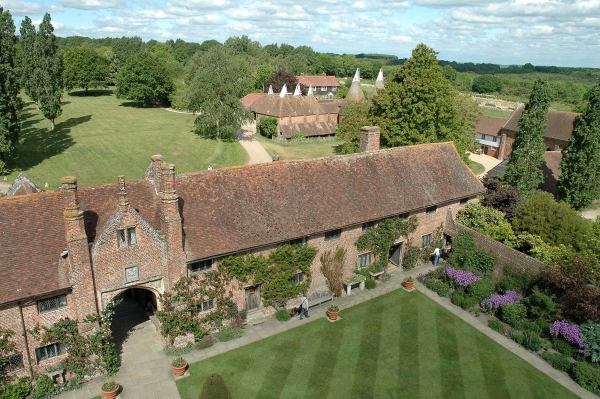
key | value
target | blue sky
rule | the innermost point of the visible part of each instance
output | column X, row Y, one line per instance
column 543, row 32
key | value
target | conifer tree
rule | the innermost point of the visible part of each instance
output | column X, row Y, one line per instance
column 214, row 388
column 10, row 103
column 580, row 165
column 48, row 72
column 27, row 61
column 523, row 171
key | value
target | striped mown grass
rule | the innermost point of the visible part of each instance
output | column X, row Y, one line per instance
column 99, row 137
column 400, row 345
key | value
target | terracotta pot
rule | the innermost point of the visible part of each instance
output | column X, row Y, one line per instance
column 332, row 315
column 408, row 284
column 110, row 394
column 179, row 371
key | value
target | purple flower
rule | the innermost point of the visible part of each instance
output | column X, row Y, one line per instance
column 461, row 277
column 497, row 300
column 423, row 278
column 569, row 332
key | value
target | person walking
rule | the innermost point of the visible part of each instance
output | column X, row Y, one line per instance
column 304, row 307
column 436, row 256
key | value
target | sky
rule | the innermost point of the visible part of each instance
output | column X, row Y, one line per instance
column 506, row 32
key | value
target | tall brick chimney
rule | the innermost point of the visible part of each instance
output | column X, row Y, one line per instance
column 123, row 200
column 81, row 274
column 171, row 224
column 157, row 161
column 369, row 138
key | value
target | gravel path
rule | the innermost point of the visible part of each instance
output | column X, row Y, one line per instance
column 256, row 152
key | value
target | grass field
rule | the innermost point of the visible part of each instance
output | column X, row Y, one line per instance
column 476, row 167
column 495, row 112
column 400, row 345
column 98, row 137
column 313, row 149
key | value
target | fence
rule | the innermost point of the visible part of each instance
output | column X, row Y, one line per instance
column 283, row 141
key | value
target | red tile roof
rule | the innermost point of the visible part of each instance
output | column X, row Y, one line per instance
column 560, row 124
column 309, row 129
column 288, row 106
column 238, row 208
column 489, row 125
column 318, row 81
column 249, row 99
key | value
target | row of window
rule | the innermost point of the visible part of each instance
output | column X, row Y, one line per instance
column 126, row 237
column 15, row 362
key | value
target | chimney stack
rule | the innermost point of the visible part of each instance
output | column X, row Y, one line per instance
column 369, row 138
column 157, row 161
column 123, row 200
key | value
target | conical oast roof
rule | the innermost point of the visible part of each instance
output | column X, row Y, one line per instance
column 378, row 84
column 355, row 93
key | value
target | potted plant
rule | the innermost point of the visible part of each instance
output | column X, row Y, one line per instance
column 179, row 365
column 332, row 312
column 110, row 389
column 408, row 283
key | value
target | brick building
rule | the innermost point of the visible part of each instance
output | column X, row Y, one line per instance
column 71, row 252
column 324, row 86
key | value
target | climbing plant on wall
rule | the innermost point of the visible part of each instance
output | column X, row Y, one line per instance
column 275, row 272
column 7, row 346
column 380, row 238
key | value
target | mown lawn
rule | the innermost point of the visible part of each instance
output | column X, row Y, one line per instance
column 400, row 345
column 313, row 149
column 99, row 137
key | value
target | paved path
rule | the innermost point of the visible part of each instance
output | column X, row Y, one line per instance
column 146, row 373
column 256, row 152
column 487, row 161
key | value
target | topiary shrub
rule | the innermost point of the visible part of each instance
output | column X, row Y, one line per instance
column 370, row 284
column 481, row 289
column 214, row 388
column 587, row 376
column 558, row 361
column 513, row 314
column 496, row 325
column 267, row 126
column 282, row 315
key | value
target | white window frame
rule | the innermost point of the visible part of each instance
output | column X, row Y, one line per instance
column 205, row 306
column 363, row 261
column 297, row 278
column 41, row 353
column 323, row 88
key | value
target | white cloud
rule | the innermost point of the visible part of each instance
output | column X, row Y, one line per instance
column 21, row 8
column 92, row 4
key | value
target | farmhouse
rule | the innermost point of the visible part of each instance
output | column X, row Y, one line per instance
column 69, row 253
column 324, row 86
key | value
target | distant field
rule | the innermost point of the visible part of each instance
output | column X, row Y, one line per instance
column 99, row 137
column 299, row 151
column 495, row 112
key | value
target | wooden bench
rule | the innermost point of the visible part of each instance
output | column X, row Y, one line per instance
column 318, row 298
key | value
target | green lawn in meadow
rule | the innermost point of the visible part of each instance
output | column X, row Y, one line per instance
column 400, row 345
column 99, row 137
column 309, row 149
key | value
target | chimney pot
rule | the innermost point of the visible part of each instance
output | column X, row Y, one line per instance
column 369, row 138
column 69, row 192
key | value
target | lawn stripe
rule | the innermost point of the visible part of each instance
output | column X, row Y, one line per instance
column 408, row 344
column 389, row 350
column 470, row 365
column 492, row 366
column 429, row 356
column 452, row 382
column 366, row 367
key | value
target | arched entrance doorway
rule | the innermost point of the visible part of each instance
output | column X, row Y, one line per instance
column 131, row 320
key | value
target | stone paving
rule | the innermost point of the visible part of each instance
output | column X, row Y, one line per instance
column 146, row 372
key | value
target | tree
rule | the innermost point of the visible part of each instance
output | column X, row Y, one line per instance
column 85, row 68
column 144, row 78
column 280, row 78
column 217, row 82
column 10, row 103
column 488, row 221
column 523, row 171
column 28, row 60
column 501, row 197
column 487, row 84
column 261, row 76
column 48, row 71
column 355, row 116
column 555, row 222
column 449, row 73
column 419, row 105
column 580, row 165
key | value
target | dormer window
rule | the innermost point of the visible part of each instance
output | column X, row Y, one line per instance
column 126, row 237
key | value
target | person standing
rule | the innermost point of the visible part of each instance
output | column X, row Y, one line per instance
column 436, row 256
column 304, row 307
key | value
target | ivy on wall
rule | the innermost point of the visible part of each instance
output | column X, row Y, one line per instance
column 380, row 238
column 274, row 272
column 7, row 346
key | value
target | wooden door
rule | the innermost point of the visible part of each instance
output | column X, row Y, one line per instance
column 396, row 254
column 252, row 298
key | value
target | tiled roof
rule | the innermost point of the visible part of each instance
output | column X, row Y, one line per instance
column 355, row 93
column 331, row 106
column 489, row 125
column 308, row 129
column 560, row 124
column 288, row 106
column 22, row 185
column 249, row 99
column 318, row 81
column 231, row 209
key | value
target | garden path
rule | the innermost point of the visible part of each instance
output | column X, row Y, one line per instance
column 256, row 152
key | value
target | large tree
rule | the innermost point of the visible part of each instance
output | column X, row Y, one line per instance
column 580, row 165
column 10, row 103
column 280, row 78
column 28, row 59
column 85, row 68
column 48, row 71
column 419, row 105
column 145, row 78
column 523, row 171
column 217, row 81
column 354, row 117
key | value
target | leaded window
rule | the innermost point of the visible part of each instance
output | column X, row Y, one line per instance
column 298, row 278
column 50, row 304
column 364, row 260
column 330, row 235
column 205, row 306
column 49, row 351
column 426, row 240
column 368, row 225
column 131, row 236
column 12, row 363
column 201, row 265
column 126, row 236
